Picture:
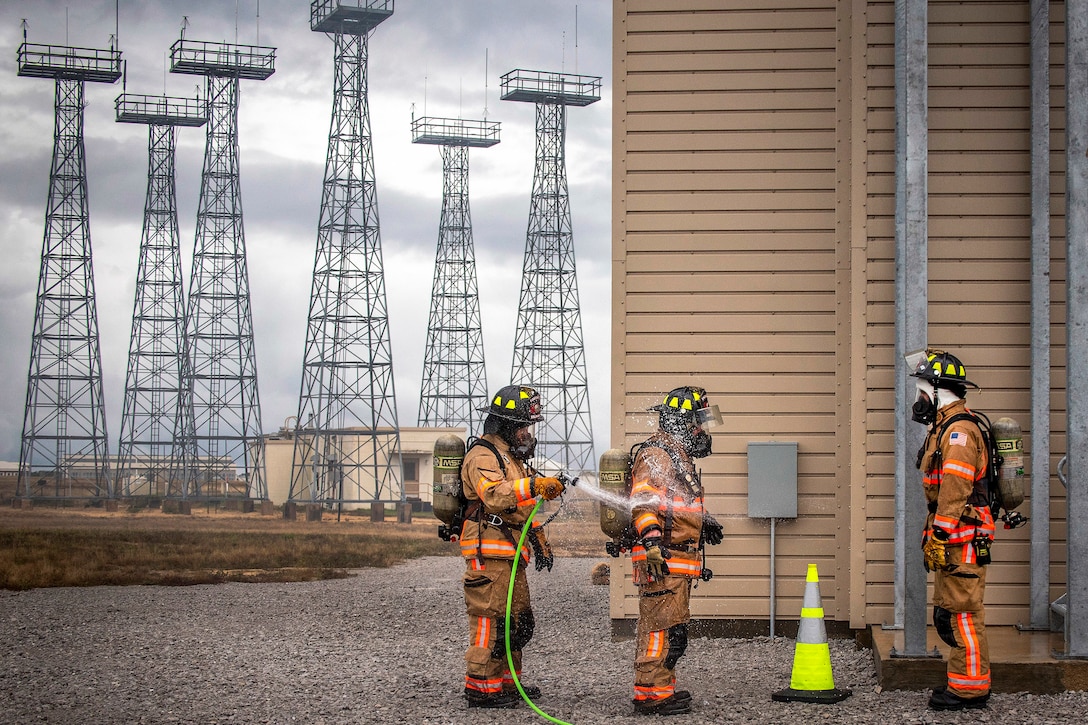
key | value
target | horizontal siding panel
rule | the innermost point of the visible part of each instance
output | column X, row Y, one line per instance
column 702, row 43
column 740, row 80
column 791, row 382
column 769, row 343
column 790, row 202
column 726, row 100
column 746, row 161
column 707, row 265
column 651, row 366
column 724, row 282
column 819, row 18
column 732, row 180
column 729, row 60
column 745, row 304
column 730, row 120
column 725, row 241
column 735, row 140
column 678, row 222
column 724, row 323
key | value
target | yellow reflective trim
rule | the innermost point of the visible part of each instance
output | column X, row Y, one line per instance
column 510, row 404
column 817, row 612
column 524, row 394
column 812, row 576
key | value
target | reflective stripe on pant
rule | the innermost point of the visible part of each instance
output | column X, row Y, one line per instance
column 969, row 656
column 661, row 636
column 486, row 666
column 960, row 619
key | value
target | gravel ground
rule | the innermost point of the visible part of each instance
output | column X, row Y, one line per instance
column 386, row 646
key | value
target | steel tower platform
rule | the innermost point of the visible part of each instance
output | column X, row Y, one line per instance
column 150, row 423
column 548, row 350
column 65, row 447
column 220, row 435
column 454, row 375
column 347, row 439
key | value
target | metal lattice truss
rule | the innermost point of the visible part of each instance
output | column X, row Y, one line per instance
column 347, row 440
column 156, row 356
column 548, row 348
column 454, row 377
column 222, row 451
column 64, row 450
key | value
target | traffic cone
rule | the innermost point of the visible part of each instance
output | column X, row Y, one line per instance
column 811, row 680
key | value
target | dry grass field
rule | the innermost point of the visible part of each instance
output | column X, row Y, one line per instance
column 43, row 547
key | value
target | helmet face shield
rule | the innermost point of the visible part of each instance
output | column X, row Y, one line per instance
column 709, row 417
column 915, row 360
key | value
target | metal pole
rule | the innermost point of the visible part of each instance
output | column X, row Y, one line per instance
column 1040, row 314
column 772, row 579
column 911, row 295
column 1076, row 210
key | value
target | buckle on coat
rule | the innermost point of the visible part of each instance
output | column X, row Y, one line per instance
column 494, row 520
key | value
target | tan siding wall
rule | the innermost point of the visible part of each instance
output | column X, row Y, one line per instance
column 725, row 142
column 754, row 254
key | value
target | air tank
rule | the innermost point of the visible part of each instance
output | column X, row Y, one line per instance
column 449, row 452
column 614, row 477
column 1010, row 446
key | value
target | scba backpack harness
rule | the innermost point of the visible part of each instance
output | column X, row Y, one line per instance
column 998, row 489
column 616, row 520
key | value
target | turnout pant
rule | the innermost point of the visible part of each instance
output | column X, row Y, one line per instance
column 662, row 636
column 960, row 619
column 486, row 583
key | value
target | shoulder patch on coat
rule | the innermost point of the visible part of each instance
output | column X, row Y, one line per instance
column 957, row 438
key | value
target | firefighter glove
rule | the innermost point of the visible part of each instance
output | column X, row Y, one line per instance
column 542, row 551
column 712, row 530
column 655, row 559
column 547, row 487
column 934, row 554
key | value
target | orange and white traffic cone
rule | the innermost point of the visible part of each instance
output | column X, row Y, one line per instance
column 811, row 680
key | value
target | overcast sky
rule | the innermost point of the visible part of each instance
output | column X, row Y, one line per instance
column 430, row 54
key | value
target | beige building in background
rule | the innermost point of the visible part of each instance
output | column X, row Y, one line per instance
column 754, row 255
column 417, row 450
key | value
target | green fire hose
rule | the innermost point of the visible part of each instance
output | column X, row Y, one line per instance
column 509, row 605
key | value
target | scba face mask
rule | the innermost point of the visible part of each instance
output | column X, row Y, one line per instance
column 523, row 443
column 699, row 443
column 924, row 410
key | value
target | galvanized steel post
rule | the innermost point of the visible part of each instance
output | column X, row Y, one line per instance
column 1076, row 201
column 911, row 316
column 1040, row 314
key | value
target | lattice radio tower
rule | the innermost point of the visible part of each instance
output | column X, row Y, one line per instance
column 548, row 349
column 64, row 451
column 347, row 440
column 222, row 447
column 454, row 378
column 156, row 353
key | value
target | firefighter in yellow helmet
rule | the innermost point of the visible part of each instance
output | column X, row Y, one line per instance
column 502, row 488
column 959, row 527
column 672, row 528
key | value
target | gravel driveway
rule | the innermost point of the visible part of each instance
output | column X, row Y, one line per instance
column 386, row 646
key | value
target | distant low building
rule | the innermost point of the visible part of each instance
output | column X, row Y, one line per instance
column 416, row 450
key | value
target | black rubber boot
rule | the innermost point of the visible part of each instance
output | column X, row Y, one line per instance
column 670, row 705
column 494, row 700
column 942, row 699
column 531, row 690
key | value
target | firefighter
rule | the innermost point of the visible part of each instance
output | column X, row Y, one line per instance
column 672, row 529
column 502, row 488
column 959, row 527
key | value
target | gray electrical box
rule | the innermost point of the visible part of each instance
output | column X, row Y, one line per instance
column 772, row 480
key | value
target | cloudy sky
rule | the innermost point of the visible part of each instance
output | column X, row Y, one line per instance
column 429, row 57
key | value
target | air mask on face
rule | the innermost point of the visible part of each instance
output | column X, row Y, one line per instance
column 523, row 443
column 924, row 410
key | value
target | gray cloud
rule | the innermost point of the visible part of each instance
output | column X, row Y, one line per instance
column 430, row 54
